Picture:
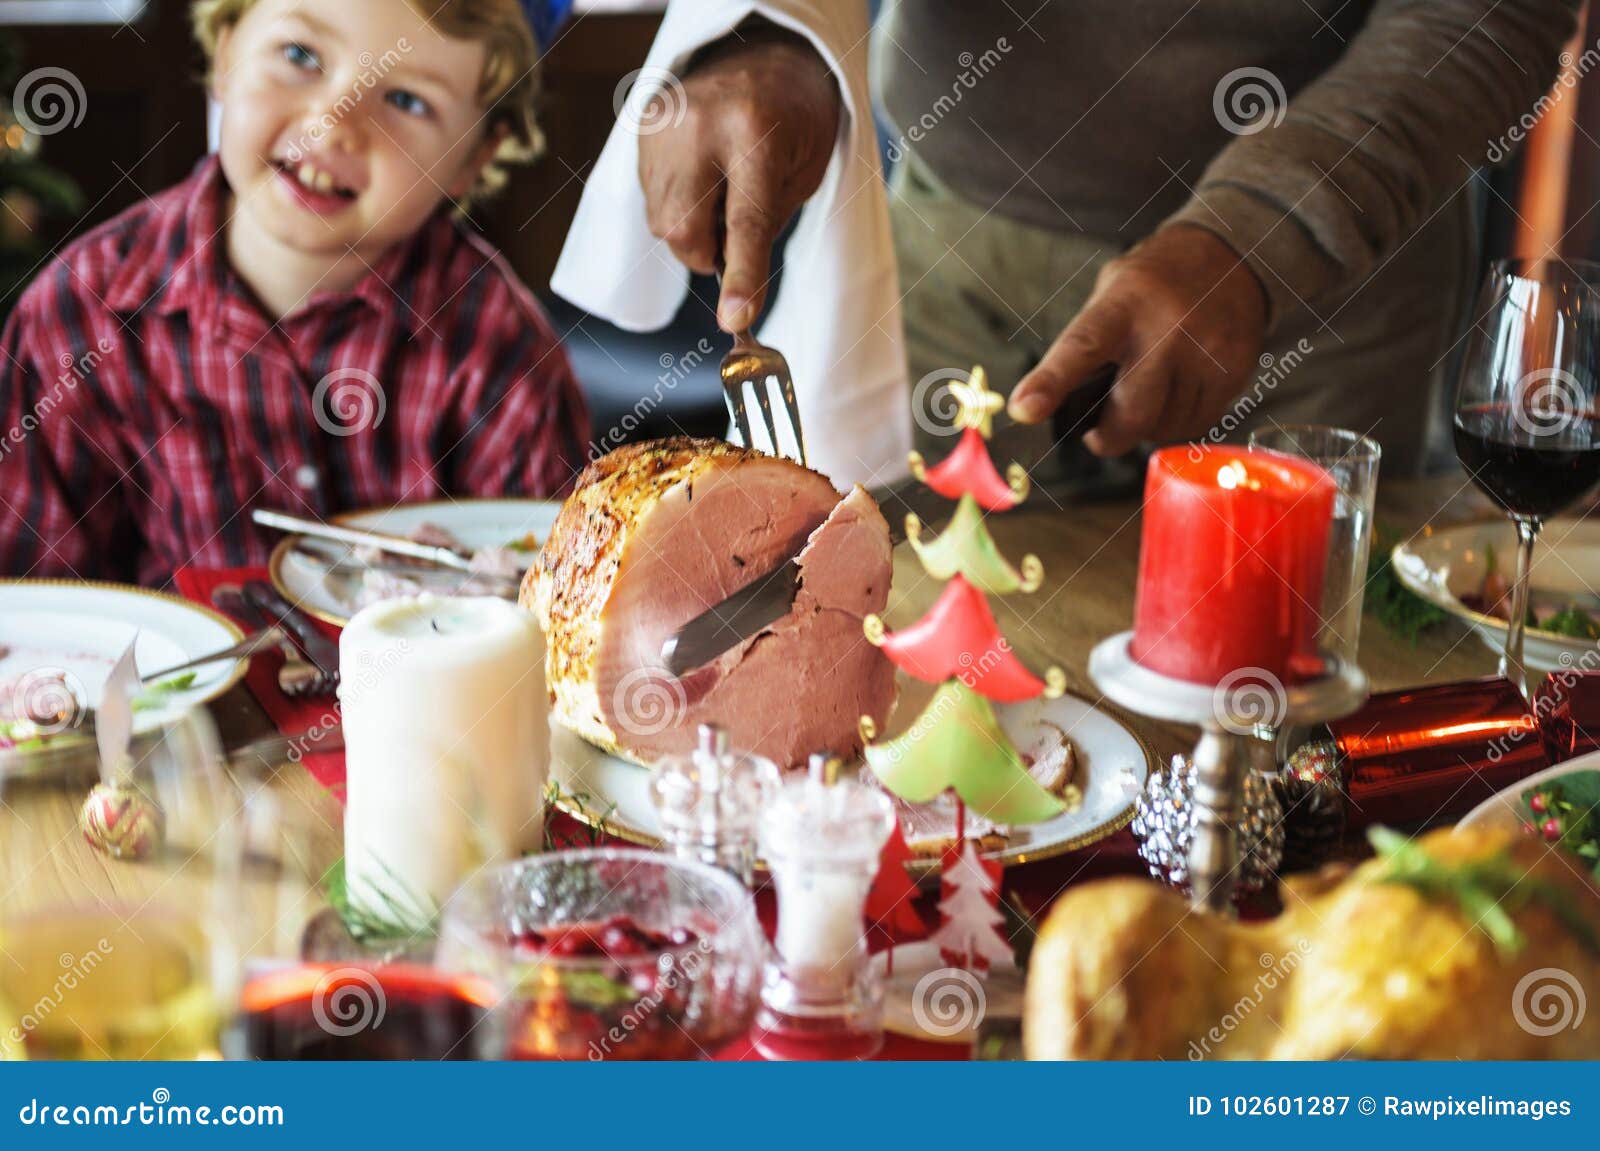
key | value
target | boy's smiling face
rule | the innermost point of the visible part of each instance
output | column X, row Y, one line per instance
column 345, row 123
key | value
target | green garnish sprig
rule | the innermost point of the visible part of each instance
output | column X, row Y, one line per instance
column 1488, row 892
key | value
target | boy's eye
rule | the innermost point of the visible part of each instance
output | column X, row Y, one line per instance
column 409, row 102
column 300, row 56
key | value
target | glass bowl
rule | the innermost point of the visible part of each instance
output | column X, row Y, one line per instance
column 610, row 953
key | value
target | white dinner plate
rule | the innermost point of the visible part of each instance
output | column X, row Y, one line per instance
column 80, row 629
column 598, row 788
column 1504, row 808
column 1443, row 564
column 476, row 523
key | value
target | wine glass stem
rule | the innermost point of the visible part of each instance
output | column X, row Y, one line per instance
column 1511, row 665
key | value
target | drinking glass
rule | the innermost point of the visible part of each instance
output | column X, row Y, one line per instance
column 1525, row 420
column 1352, row 460
column 608, row 954
column 115, row 891
column 320, row 980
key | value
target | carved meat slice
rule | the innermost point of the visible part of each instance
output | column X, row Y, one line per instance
column 656, row 533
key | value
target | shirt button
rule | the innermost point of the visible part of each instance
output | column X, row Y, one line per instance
column 306, row 477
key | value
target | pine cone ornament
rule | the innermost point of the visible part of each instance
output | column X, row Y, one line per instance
column 1314, row 806
column 1163, row 822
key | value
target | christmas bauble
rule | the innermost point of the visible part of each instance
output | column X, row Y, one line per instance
column 1163, row 823
column 121, row 821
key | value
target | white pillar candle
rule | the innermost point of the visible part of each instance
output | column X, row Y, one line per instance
column 446, row 747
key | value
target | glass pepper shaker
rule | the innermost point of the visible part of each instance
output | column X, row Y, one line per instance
column 709, row 801
column 821, row 996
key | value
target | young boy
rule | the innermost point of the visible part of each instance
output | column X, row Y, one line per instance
column 301, row 324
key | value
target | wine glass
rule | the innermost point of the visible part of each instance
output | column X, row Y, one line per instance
column 323, row 980
column 1525, row 419
column 115, row 890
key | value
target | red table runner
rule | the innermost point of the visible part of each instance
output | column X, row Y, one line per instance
column 1035, row 885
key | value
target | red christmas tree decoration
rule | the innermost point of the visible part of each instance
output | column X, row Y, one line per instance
column 892, row 901
column 958, row 638
column 969, row 470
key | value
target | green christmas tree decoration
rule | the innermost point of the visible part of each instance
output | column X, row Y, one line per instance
column 958, row 743
column 966, row 548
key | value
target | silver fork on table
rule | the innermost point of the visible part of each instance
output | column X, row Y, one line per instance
column 298, row 676
column 753, row 363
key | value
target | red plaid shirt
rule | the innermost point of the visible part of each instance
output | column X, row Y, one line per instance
column 148, row 402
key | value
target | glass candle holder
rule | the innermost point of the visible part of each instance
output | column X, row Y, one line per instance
column 820, row 995
column 710, row 800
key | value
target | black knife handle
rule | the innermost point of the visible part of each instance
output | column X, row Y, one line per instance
column 316, row 647
column 1084, row 405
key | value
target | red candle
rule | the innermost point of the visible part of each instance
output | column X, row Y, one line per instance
column 1230, row 563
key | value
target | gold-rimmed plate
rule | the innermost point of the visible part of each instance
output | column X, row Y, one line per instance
column 331, row 595
column 55, row 632
column 1442, row 565
column 608, row 792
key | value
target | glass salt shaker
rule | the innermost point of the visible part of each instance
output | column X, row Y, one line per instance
column 821, row 996
column 709, row 800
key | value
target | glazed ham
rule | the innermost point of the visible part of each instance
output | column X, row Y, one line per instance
column 656, row 533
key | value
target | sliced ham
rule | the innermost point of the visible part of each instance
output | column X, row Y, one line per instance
column 656, row 533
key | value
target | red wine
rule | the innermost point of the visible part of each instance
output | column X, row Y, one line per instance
column 1528, row 474
column 383, row 1012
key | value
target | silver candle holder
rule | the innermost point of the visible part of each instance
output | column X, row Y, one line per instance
column 1228, row 715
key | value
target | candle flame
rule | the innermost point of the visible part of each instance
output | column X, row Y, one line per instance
column 1233, row 474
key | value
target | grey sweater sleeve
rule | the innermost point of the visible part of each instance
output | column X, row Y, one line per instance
column 1373, row 147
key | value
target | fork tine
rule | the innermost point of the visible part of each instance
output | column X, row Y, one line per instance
column 734, row 394
column 786, row 387
column 764, row 398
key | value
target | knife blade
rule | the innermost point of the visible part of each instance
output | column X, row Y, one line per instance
column 357, row 538
column 315, row 646
column 729, row 623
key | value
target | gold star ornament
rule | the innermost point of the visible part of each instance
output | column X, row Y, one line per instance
column 978, row 405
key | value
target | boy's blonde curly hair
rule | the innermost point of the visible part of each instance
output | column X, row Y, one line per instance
column 507, row 91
